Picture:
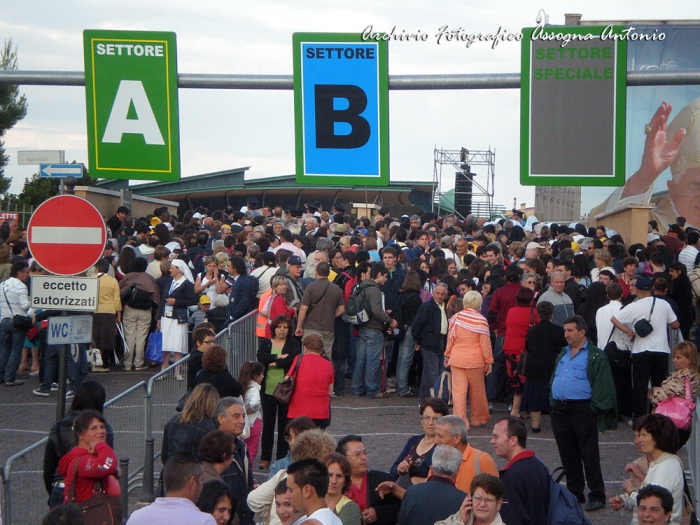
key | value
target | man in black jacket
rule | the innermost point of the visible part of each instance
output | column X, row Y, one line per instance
column 230, row 417
column 525, row 478
column 429, row 330
column 375, row 509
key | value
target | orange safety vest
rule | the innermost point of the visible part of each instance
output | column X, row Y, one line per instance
column 262, row 319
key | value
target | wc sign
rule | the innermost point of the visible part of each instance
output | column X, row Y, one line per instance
column 341, row 109
column 132, row 105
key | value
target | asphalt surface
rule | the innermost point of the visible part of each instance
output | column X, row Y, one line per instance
column 386, row 424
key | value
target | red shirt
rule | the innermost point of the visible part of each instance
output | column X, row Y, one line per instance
column 359, row 494
column 518, row 323
column 502, row 301
column 311, row 397
column 101, row 464
column 279, row 306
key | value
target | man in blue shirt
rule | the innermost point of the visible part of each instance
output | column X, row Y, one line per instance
column 583, row 402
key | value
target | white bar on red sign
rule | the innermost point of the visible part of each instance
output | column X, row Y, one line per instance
column 66, row 235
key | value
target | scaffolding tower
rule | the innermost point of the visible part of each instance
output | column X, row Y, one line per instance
column 461, row 162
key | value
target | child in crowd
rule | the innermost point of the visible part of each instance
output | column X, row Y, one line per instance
column 250, row 377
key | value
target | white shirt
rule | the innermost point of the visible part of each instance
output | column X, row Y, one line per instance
column 171, row 511
column 290, row 246
column 603, row 322
column 687, row 256
column 663, row 315
column 325, row 516
column 15, row 293
column 264, row 274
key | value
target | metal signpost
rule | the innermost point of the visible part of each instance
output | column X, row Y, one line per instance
column 341, row 109
column 572, row 102
column 132, row 105
column 66, row 236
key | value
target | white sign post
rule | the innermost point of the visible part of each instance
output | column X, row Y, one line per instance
column 41, row 157
column 69, row 330
column 50, row 292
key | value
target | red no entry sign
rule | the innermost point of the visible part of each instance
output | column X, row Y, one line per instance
column 66, row 235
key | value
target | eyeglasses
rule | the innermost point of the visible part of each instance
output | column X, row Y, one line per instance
column 362, row 453
column 429, row 419
column 209, row 341
column 478, row 500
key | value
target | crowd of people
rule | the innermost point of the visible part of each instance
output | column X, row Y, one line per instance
column 551, row 320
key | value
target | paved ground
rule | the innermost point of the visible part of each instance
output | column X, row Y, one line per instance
column 385, row 423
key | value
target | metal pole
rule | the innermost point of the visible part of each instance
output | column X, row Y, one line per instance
column 147, row 488
column 70, row 183
column 124, row 487
column 6, row 499
column 398, row 82
column 62, row 377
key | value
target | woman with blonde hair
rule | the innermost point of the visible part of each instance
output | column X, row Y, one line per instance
column 469, row 356
column 310, row 444
column 685, row 361
column 183, row 432
column 276, row 304
column 603, row 261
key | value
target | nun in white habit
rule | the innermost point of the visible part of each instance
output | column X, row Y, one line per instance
column 173, row 314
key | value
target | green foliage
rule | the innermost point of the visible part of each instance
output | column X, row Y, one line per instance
column 13, row 108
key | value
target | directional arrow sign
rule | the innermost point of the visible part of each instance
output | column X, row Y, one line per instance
column 61, row 170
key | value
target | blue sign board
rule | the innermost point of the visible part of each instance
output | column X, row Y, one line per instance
column 341, row 110
column 61, row 170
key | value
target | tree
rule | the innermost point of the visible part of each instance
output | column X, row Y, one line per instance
column 13, row 108
column 38, row 189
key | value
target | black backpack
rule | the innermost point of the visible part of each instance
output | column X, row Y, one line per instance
column 137, row 298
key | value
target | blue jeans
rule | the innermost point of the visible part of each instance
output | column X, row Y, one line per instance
column 11, row 343
column 77, row 368
column 366, row 377
column 496, row 378
column 406, row 351
column 433, row 366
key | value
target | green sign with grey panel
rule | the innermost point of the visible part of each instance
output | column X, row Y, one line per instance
column 573, row 82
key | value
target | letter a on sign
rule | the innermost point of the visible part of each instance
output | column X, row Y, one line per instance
column 132, row 92
column 132, row 105
column 341, row 110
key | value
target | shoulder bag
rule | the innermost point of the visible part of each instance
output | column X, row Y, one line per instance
column 21, row 323
column 643, row 327
column 678, row 409
column 100, row 509
column 620, row 360
column 285, row 388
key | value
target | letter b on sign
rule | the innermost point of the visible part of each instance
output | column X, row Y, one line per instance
column 341, row 110
column 327, row 116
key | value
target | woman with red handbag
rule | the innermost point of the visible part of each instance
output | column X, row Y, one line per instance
column 685, row 360
column 89, row 468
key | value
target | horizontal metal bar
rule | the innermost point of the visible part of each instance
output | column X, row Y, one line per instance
column 396, row 82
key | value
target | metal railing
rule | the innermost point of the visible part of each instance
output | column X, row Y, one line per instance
column 24, row 213
column 137, row 417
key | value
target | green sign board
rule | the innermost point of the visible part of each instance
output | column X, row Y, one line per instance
column 132, row 105
column 572, row 106
column 341, row 109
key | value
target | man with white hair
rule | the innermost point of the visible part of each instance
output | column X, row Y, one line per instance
column 419, row 501
column 532, row 250
column 452, row 431
column 563, row 305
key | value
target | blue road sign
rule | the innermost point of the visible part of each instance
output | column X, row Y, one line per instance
column 61, row 170
column 341, row 109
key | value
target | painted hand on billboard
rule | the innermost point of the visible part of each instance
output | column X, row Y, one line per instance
column 658, row 153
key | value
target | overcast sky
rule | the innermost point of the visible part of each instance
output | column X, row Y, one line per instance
column 228, row 129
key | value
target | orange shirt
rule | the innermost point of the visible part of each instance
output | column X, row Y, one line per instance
column 467, row 471
column 468, row 349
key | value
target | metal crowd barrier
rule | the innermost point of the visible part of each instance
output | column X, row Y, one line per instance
column 137, row 416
